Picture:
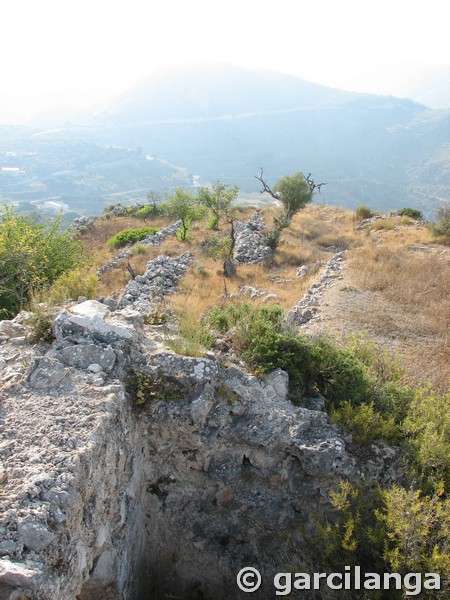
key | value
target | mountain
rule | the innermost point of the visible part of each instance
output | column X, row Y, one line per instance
column 191, row 126
column 205, row 92
column 429, row 85
column 225, row 123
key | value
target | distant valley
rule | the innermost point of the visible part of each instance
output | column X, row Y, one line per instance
column 193, row 127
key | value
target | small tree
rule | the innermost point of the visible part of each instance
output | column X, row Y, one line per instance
column 153, row 208
column 218, row 200
column 183, row 205
column 294, row 192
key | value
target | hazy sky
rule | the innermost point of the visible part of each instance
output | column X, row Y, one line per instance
column 83, row 51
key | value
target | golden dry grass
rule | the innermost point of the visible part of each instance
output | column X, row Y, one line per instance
column 409, row 303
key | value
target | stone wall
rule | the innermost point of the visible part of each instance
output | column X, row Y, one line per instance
column 250, row 244
column 109, row 499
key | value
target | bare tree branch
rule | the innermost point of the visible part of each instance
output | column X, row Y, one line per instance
column 312, row 185
column 131, row 270
column 266, row 188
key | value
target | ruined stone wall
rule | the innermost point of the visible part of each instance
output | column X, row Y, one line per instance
column 102, row 498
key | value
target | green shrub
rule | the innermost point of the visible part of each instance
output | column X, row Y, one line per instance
column 366, row 423
column 130, row 236
column 387, row 530
column 147, row 212
column 32, row 255
column 355, row 537
column 417, row 532
column 383, row 364
column 139, row 249
column 72, row 285
column 143, row 388
column 442, row 227
column 427, row 426
column 213, row 222
column 41, row 322
column 363, row 212
column 319, row 364
column 413, row 213
column 339, row 375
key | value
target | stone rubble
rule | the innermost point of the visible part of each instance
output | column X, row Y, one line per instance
column 309, row 306
column 367, row 223
column 250, row 246
column 160, row 279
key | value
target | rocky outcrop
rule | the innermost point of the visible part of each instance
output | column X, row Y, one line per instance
column 250, row 244
column 160, row 279
column 146, row 474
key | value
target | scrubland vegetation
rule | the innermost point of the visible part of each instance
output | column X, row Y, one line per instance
column 384, row 375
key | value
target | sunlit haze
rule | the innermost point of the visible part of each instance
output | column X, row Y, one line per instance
column 80, row 54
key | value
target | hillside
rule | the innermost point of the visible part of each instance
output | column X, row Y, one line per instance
column 193, row 126
column 226, row 123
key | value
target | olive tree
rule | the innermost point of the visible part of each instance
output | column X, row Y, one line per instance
column 183, row 205
column 293, row 192
column 218, row 199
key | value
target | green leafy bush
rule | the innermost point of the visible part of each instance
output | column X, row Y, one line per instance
column 413, row 213
column 147, row 212
column 72, row 285
column 417, row 531
column 32, row 255
column 320, row 365
column 427, row 425
column 366, row 423
column 338, row 373
column 130, row 236
column 184, row 206
column 387, row 530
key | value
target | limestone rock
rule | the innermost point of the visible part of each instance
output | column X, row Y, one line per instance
column 35, row 536
column 21, row 575
column 94, row 328
column 12, row 329
column 48, row 374
column 82, row 356
column 90, row 308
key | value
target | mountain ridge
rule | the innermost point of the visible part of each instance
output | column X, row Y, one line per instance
column 200, row 126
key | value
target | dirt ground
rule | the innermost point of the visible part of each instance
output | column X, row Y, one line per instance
column 346, row 308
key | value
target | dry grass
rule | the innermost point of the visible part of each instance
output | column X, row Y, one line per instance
column 415, row 280
column 325, row 226
column 409, row 302
column 95, row 238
